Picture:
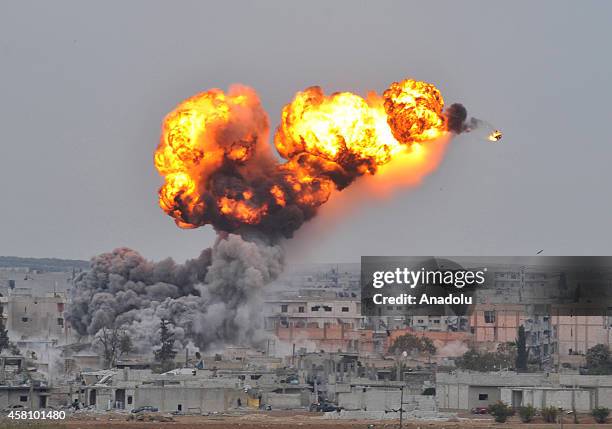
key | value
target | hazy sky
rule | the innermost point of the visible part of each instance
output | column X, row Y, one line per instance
column 84, row 86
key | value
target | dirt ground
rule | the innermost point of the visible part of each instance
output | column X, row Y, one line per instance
column 279, row 420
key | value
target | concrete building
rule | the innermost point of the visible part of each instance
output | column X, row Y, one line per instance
column 190, row 390
column 539, row 397
column 19, row 386
column 188, row 399
column 318, row 320
column 23, row 280
column 30, row 317
column 492, row 324
column 312, row 310
column 576, row 334
column 383, row 399
column 466, row 390
column 20, row 397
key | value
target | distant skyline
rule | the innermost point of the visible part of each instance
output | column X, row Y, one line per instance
column 85, row 86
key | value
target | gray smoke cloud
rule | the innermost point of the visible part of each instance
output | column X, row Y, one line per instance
column 457, row 121
column 210, row 301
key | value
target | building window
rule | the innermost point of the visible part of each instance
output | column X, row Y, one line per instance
column 300, row 309
column 420, row 321
column 129, row 400
column 436, row 321
column 327, row 308
column 489, row 316
column 345, row 309
column 23, row 398
column 315, row 308
column 284, row 308
column 483, row 396
column 60, row 321
column 24, row 319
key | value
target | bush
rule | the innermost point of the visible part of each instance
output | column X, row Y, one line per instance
column 429, row 391
column 500, row 411
column 550, row 414
column 526, row 413
column 600, row 414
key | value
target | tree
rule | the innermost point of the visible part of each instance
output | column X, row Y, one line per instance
column 527, row 413
column 427, row 346
column 4, row 340
column 108, row 340
column 550, row 413
column 521, row 350
column 474, row 360
column 600, row 414
column 166, row 353
column 411, row 343
column 500, row 411
column 598, row 360
column 125, row 344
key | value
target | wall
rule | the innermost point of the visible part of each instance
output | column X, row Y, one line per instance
column 31, row 317
column 285, row 401
column 383, row 400
column 452, row 396
column 539, row 398
column 474, row 392
column 580, row 333
column 191, row 399
column 12, row 396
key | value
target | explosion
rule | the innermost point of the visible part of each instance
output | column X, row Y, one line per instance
column 219, row 170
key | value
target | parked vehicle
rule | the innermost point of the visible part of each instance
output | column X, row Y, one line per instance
column 146, row 408
column 324, row 407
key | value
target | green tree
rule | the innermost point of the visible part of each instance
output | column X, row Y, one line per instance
column 527, row 413
column 521, row 350
column 600, row 414
column 500, row 411
column 427, row 346
column 411, row 343
column 550, row 413
column 473, row 360
column 598, row 360
column 166, row 353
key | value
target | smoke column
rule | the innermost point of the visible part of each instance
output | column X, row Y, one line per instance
column 209, row 300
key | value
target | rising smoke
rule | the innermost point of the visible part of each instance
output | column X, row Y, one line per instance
column 209, row 300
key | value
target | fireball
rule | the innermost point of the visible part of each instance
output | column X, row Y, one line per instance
column 217, row 171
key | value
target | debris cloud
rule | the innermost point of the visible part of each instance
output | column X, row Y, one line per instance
column 208, row 301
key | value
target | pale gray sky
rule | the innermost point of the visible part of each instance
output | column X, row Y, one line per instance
column 84, row 86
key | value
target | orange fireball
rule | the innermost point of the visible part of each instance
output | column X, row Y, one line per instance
column 218, row 169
